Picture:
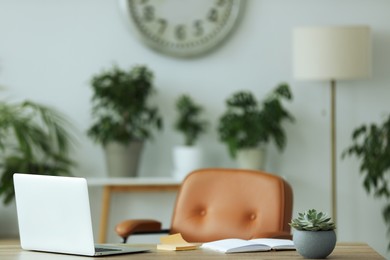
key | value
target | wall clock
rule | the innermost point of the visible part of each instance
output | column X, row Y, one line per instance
column 183, row 28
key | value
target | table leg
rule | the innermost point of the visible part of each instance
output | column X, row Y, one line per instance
column 104, row 214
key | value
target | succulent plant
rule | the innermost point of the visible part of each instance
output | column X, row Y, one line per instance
column 312, row 220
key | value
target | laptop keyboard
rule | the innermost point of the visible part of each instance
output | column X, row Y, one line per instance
column 102, row 249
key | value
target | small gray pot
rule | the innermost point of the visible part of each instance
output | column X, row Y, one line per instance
column 122, row 159
column 314, row 244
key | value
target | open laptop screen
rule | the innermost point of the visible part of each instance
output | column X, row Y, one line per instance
column 54, row 215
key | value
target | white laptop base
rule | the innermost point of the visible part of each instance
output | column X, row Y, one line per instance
column 54, row 216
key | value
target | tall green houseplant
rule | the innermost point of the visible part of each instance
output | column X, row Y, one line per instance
column 246, row 124
column 33, row 139
column 371, row 145
column 123, row 117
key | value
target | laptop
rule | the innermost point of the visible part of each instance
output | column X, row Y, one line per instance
column 54, row 216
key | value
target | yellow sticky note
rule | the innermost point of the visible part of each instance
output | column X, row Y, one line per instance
column 175, row 242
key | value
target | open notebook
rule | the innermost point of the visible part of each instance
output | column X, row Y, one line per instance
column 54, row 216
column 235, row 245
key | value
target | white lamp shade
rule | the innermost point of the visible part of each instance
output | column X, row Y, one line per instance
column 331, row 53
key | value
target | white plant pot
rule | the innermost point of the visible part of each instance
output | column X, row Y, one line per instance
column 185, row 160
column 123, row 160
column 251, row 158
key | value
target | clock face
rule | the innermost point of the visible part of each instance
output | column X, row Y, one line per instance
column 183, row 28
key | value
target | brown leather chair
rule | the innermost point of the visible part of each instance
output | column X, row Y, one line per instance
column 222, row 203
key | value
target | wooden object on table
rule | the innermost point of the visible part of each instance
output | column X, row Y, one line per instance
column 131, row 184
column 175, row 242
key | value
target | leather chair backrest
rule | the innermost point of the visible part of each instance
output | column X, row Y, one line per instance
column 222, row 203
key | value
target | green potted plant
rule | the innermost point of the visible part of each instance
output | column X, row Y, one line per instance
column 314, row 235
column 123, row 118
column 33, row 139
column 371, row 145
column 246, row 128
column 189, row 123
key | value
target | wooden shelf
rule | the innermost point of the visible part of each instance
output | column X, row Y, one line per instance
column 132, row 181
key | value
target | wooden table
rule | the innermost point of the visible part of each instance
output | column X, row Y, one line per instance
column 135, row 184
column 342, row 251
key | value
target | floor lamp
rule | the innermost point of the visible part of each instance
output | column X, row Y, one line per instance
column 330, row 54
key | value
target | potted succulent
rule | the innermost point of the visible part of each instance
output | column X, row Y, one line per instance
column 371, row 145
column 246, row 128
column 189, row 123
column 123, row 118
column 33, row 139
column 314, row 235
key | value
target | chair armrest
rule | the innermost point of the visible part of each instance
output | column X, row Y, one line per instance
column 279, row 234
column 128, row 227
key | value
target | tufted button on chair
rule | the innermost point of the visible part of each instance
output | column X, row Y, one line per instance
column 219, row 203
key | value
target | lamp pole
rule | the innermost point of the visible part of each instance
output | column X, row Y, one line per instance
column 333, row 148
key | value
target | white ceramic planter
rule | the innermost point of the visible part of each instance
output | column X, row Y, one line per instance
column 314, row 244
column 122, row 160
column 185, row 160
column 252, row 158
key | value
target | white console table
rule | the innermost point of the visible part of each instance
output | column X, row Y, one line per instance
column 131, row 184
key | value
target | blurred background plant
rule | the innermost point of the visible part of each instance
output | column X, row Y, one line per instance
column 34, row 139
column 245, row 124
column 371, row 146
column 189, row 121
column 120, row 105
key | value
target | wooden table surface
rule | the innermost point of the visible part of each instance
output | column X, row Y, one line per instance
column 12, row 251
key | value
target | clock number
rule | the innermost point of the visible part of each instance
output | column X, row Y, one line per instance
column 213, row 15
column 162, row 25
column 148, row 13
column 198, row 28
column 180, row 32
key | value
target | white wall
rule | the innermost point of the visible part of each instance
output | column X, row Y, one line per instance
column 50, row 49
